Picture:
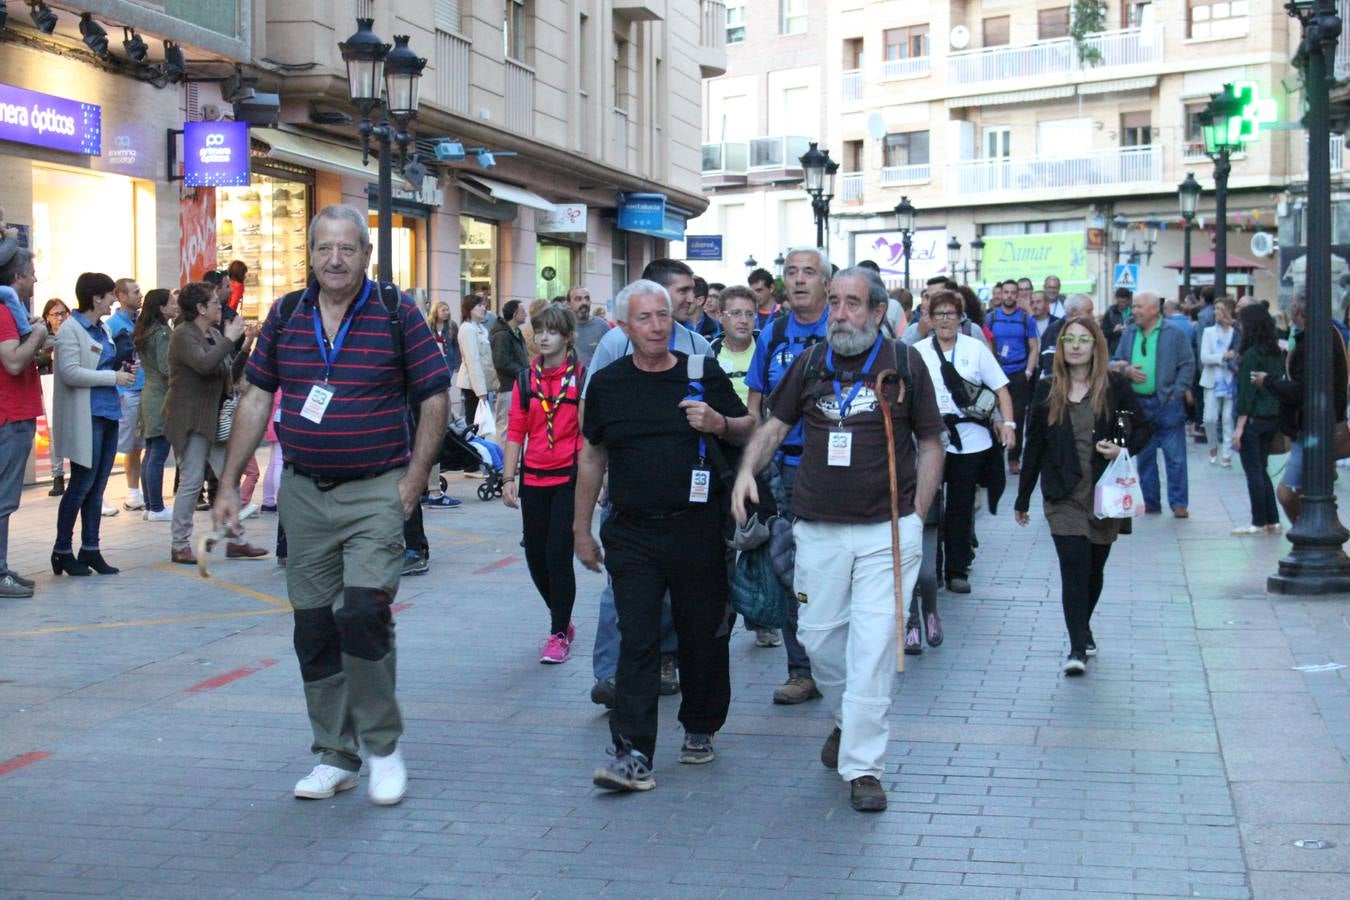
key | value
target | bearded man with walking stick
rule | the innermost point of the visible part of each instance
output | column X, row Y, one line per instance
column 846, row 558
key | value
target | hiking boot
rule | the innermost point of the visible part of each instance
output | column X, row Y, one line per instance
column 867, row 794
column 797, row 689
column 324, row 782
column 768, row 637
column 602, row 693
column 670, row 675
column 829, row 754
column 697, row 749
column 629, row 770
column 934, row 628
column 913, row 643
column 958, row 585
column 388, row 778
column 554, row 649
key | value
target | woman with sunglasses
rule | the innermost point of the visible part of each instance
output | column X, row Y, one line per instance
column 1071, row 436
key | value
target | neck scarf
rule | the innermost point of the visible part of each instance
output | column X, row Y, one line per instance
column 550, row 404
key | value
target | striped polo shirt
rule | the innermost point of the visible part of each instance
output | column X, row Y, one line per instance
column 365, row 428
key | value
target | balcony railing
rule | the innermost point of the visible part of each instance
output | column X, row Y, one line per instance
column 519, row 97
column 851, row 188
column 914, row 174
column 1119, row 165
column 712, row 31
column 852, row 84
column 452, row 71
column 1131, row 47
column 1342, row 68
column 778, row 152
column 725, row 159
column 914, row 67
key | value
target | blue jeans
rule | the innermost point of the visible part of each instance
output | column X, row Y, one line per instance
column 1169, row 436
column 605, row 653
column 84, row 491
column 16, row 442
column 152, row 472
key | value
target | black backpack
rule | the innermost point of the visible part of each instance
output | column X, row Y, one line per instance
column 389, row 296
column 777, row 338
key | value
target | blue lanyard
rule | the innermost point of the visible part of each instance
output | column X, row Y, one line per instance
column 330, row 357
column 844, row 405
column 696, row 393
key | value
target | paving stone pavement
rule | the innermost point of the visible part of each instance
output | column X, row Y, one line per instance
column 152, row 726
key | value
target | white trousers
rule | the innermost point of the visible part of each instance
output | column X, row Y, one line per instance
column 847, row 624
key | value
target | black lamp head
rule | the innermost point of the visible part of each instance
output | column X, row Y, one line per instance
column 134, row 45
column 43, row 17
column 95, row 38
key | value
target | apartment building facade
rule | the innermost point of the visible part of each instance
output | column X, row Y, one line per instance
column 995, row 121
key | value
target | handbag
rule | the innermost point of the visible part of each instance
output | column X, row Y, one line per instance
column 1280, row 443
column 755, row 592
column 975, row 401
column 1118, row 494
column 226, row 419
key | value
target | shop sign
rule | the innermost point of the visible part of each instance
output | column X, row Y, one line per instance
column 430, row 194
column 564, row 218
column 216, row 154
column 704, row 247
column 28, row 117
column 1036, row 256
column 642, row 212
column 927, row 252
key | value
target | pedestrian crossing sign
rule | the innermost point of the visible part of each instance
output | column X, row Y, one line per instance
column 1127, row 276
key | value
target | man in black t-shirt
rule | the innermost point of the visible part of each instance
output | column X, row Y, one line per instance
column 844, row 571
column 656, row 427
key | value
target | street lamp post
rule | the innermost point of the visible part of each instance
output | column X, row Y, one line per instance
column 1317, row 564
column 906, row 217
column 383, row 80
column 954, row 264
column 1188, row 193
column 819, row 173
column 1221, row 141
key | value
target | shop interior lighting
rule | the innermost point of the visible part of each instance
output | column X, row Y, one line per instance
column 175, row 64
column 134, row 45
column 95, row 38
column 43, row 17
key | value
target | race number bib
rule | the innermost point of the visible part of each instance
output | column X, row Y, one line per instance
column 317, row 403
column 840, row 451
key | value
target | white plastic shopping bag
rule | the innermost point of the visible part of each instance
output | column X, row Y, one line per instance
column 483, row 418
column 1118, row 494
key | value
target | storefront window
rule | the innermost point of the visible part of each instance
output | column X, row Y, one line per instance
column 404, row 245
column 478, row 256
column 264, row 225
column 85, row 222
column 554, row 272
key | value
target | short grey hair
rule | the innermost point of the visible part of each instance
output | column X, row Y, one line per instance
column 639, row 288
column 341, row 212
column 877, row 295
column 822, row 258
column 1079, row 304
column 1171, row 306
column 1150, row 295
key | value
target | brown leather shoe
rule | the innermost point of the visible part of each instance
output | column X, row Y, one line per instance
column 183, row 557
column 829, row 754
column 867, row 794
column 1181, row 512
column 797, row 689
column 243, row 551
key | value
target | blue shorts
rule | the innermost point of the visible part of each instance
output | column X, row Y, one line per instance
column 1293, row 467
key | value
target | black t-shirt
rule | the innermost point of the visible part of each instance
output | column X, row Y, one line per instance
column 652, row 450
column 858, row 493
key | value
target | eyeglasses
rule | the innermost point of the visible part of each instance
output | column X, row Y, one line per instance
column 1077, row 340
column 739, row 314
column 946, row 315
column 58, row 315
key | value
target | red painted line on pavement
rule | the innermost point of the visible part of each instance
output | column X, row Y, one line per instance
column 400, row 607
column 499, row 564
column 19, row 762
column 221, row 680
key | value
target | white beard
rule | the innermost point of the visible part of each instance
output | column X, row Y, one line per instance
column 849, row 341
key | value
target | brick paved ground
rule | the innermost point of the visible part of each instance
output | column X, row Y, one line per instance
column 152, row 726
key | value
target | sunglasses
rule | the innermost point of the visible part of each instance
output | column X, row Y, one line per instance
column 1077, row 340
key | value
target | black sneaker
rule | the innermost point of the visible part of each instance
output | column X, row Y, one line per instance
column 602, row 693
column 1091, row 646
column 697, row 749
column 1076, row 664
column 628, row 771
column 670, row 675
column 415, row 563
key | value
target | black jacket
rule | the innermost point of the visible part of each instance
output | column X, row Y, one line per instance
column 1288, row 387
column 509, row 356
column 1050, row 454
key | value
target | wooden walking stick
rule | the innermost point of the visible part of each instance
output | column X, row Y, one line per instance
column 884, row 380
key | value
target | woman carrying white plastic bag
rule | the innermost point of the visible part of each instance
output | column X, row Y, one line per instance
column 1118, row 494
column 1082, row 418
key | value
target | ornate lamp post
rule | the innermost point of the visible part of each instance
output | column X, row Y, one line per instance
column 1222, row 140
column 819, row 174
column 906, row 217
column 954, row 264
column 1317, row 564
column 383, row 81
column 1188, row 194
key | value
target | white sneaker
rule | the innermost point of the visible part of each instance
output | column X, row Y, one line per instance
column 388, row 778
column 325, row 781
column 164, row 515
column 249, row 511
column 135, row 500
column 110, row 511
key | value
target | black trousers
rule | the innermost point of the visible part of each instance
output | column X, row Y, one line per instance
column 645, row 558
column 471, row 463
column 1020, row 390
column 1254, row 452
column 959, row 476
column 1081, row 567
column 547, row 516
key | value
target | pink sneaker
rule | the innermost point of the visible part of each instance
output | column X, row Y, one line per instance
column 555, row 650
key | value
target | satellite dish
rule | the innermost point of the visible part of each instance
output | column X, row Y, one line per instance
column 876, row 126
column 1263, row 244
column 960, row 37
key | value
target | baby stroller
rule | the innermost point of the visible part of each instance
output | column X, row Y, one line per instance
column 461, row 442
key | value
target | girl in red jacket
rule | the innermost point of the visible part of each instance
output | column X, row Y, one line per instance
column 544, row 419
